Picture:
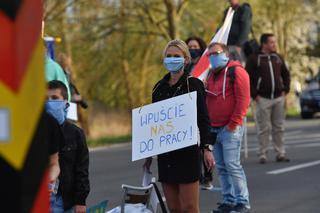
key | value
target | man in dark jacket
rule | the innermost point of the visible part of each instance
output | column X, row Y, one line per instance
column 73, row 157
column 240, row 29
column 270, row 82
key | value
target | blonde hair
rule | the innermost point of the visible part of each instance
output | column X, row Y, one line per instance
column 180, row 45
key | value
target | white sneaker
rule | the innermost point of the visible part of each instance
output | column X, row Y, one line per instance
column 207, row 186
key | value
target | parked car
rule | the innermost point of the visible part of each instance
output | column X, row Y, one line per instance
column 310, row 97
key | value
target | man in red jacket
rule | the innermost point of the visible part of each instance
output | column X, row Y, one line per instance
column 228, row 97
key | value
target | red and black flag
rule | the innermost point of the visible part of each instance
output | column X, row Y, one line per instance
column 221, row 36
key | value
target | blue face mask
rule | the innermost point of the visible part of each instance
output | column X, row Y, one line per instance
column 58, row 109
column 218, row 60
column 173, row 64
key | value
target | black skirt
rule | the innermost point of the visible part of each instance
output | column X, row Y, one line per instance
column 180, row 166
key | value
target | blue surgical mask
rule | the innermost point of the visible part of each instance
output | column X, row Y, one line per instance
column 173, row 64
column 58, row 109
column 218, row 60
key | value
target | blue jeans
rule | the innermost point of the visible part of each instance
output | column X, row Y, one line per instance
column 231, row 175
column 56, row 204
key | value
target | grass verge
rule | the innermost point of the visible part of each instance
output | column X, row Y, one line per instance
column 290, row 113
column 108, row 140
column 293, row 113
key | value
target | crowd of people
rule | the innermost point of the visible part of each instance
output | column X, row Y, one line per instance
column 234, row 81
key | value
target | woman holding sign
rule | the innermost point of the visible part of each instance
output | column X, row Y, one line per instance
column 179, row 170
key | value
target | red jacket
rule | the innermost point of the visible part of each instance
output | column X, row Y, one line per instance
column 228, row 101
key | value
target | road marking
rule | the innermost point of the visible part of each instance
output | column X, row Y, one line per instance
column 297, row 132
column 314, row 142
column 256, row 149
column 302, row 137
column 292, row 168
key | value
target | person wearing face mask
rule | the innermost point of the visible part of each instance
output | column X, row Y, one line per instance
column 179, row 170
column 74, row 185
column 196, row 48
column 228, row 97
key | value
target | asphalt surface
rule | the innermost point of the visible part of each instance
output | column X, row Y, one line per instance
column 271, row 190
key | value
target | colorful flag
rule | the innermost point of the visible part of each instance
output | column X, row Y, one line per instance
column 23, row 151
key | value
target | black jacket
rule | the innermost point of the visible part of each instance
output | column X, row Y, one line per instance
column 183, row 165
column 163, row 91
column 54, row 134
column 269, row 75
column 241, row 25
column 74, row 164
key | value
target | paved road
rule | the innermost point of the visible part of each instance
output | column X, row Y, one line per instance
column 293, row 191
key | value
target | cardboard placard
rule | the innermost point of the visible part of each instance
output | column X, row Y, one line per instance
column 164, row 126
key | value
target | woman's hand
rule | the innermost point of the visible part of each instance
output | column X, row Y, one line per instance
column 147, row 164
column 209, row 159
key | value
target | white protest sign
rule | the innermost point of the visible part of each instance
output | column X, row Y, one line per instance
column 164, row 126
column 72, row 113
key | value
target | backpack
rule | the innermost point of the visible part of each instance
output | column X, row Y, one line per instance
column 232, row 73
column 251, row 47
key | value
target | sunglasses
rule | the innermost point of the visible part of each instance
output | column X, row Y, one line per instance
column 214, row 53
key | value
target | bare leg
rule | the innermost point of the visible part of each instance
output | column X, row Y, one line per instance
column 189, row 197
column 171, row 192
